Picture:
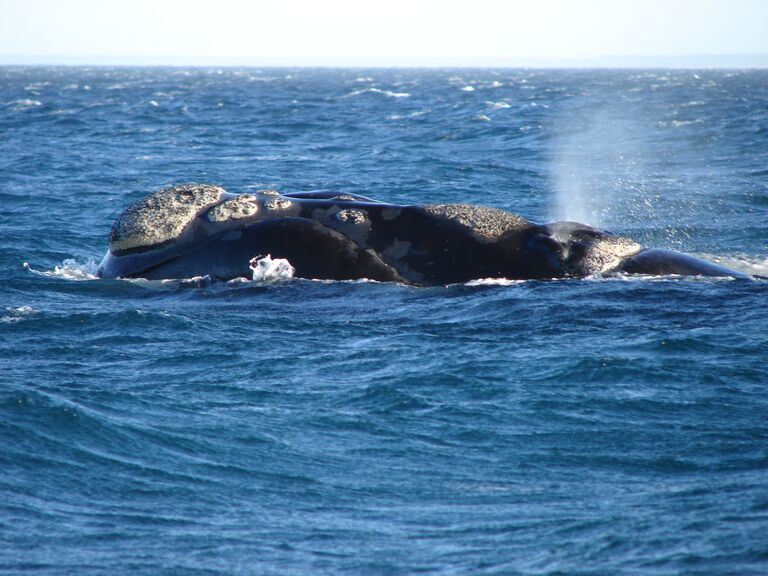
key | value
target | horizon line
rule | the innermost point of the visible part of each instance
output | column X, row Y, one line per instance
column 689, row 61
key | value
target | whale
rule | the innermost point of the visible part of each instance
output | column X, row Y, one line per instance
column 192, row 230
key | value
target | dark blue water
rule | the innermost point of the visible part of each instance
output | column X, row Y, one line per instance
column 599, row 426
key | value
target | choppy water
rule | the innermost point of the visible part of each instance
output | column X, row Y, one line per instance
column 600, row 426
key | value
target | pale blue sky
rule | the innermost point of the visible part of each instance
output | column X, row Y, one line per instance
column 385, row 32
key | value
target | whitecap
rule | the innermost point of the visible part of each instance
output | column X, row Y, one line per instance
column 36, row 87
column 497, row 105
column 17, row 313
column 468, row 89
column 26, row 104
column 679, row 123
column 625, row 277
column 63, row 112
column 406, row 116
column 494, row 282
column 387, row 93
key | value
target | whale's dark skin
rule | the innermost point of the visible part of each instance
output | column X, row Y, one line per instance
column 198, row 230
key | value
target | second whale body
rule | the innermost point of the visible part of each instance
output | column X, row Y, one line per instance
column 198, row 229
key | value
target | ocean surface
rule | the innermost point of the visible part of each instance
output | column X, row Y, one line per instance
column 288, row 426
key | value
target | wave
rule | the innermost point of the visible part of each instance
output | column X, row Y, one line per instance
column 387, row 93
column 752, row 265
column 16, row 314
column 264, row 269
column 25, row 104
column 417, row 114
column 494, row 282
column 268, row 270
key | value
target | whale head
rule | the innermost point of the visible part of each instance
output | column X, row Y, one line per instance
column 186, row 230
column 571, row 249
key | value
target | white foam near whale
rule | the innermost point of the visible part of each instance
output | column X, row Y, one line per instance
column 268, row 269
column 69, row 269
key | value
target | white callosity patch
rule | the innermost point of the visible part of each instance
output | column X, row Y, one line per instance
column 162, row 216
column 265, row 268
column 277, row 204
column 351, row 222
column 488, row 224
column 352, row 216
column 244, row 206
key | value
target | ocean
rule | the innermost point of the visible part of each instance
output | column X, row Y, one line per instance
column 592, row 426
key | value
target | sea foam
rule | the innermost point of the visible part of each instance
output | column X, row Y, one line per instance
column 267, row 269
column 69, row 269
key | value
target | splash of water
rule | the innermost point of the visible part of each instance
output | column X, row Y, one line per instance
column 69, row 269
column 266, row 269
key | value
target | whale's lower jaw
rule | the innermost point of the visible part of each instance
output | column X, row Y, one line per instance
column 199, row 230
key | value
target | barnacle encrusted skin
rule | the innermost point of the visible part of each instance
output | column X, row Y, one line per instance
column 488, row 224
column 162, row 216
column 277, row 204
column 239, row 208
column 607, row 253
column 351, row 216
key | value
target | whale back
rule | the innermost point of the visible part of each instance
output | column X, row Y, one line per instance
column 486, row 224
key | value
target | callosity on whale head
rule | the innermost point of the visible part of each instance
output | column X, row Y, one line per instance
column 197, row 229
column 585, row 251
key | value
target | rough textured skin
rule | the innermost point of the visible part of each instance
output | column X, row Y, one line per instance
column 351, row 216
column 487, row 224
column 244, row 206
column 162, row 216
column 277, row 204
column 606, row 254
